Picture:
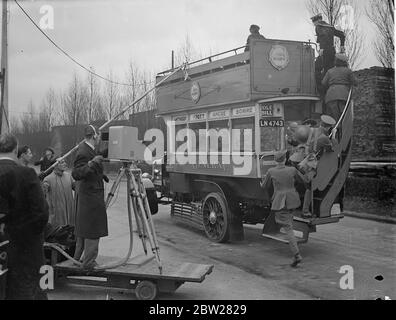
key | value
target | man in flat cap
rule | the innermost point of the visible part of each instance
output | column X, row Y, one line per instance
column 337, row 83
column 285, row 198
column 254, row 34
column 325, row 34
column 91, row 216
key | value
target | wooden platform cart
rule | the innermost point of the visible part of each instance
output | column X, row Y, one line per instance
column 139, row 274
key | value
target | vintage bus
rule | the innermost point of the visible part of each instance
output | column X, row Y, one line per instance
column 226, row 115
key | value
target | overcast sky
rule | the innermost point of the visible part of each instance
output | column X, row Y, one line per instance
column 109, row 34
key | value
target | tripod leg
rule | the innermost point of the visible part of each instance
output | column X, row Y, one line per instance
column 150, row 231
column 114, row 187
column 139, row 224
column 139, row 227
column 148, row 211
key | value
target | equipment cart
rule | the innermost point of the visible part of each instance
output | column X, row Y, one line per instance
column 140, row 274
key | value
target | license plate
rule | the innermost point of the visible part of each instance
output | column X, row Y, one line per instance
column 272, row 123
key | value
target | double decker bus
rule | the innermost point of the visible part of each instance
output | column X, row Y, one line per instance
column 226, row 115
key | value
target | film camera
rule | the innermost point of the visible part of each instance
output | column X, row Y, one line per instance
column 121, row 143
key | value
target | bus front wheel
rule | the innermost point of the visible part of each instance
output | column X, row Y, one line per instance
column 216, row 217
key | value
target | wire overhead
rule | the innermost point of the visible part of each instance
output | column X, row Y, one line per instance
column 73, row 59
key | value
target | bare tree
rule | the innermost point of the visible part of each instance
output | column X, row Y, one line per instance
column 186, row 52
column 344, row 15
column 381, row 14
column 15, row 125
column 148, row 102
column 94, row 108
column 111, row 97
column 74, row 102
column 29, row 120
column 47, row 114
column 131, row 93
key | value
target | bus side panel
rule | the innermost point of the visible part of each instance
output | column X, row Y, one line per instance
column 228, row 86
column 247, row 168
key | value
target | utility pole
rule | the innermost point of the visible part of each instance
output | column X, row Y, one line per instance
column 4, row 124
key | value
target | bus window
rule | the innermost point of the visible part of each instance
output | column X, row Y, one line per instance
column 243, row 125
column 297, row 111
column 218, row 136
column 199, row 130
column 270, row 139
column 178, row 128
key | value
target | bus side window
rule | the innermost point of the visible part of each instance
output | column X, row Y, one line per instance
column 297, row 110
column 219, row 136
column 199, row 130
column 245, row 126
column 178, row 128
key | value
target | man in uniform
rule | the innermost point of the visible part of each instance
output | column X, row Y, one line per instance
column 337, row 82
column 318, row 143
column 254, row 34
column 285, row 198
column 91, row 216
column 325, row 37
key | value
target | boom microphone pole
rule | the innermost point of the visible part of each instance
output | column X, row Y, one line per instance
column 116, row 117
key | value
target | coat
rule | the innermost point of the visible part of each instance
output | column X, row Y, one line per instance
column 325, row 34
column 251, row 37
column 59, row 195
column 338, row 81
column 283, row 179
column 26, row 215
column 91, row 216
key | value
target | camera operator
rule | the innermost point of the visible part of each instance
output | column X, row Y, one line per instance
column 91, row 216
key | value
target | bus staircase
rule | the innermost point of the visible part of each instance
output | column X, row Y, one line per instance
column 327, row 186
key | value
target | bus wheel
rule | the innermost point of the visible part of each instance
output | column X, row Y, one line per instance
column 146, row 290
column 216, row 220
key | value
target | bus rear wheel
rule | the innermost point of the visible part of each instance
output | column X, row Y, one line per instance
column 216, row 219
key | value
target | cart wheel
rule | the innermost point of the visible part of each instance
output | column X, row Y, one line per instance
column 216, row 217
column 146, row 290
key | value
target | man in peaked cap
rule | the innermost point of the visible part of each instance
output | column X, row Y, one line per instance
column 319, row 141
column 327, row 122
column 91, row 216
column 325, row 34
column 285, row 198
column 254, row 34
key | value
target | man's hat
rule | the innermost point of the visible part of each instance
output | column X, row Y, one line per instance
column 254, row 26
column 90, row 131
column 342, row 57
column 280, row 156
column 327, row 121
column 318, row 17
column 302, row 133
column 293, row 125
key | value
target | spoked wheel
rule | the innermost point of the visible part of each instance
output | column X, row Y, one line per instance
column 216, row 217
